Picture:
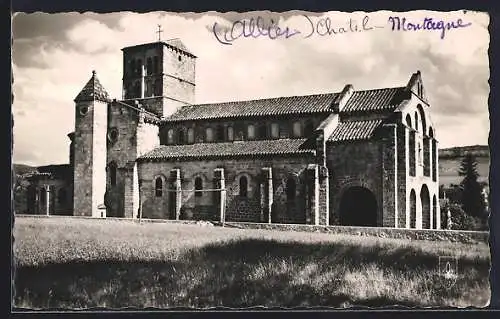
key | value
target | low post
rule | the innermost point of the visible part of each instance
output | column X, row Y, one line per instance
column 220, row 183
column 176, row 177
column 47, row 200
column 268, row 192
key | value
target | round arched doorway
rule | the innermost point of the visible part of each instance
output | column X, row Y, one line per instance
column 358, row 207
column 426, row 207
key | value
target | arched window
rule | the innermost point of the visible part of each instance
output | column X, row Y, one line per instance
column 422, row 118
column 416, row 121
column 61, row 196
column 149, row 64
column 133, row 67
column 230, row 133
column 408, row 120
column 243, row 186
column 251, row 132
column 220, row 133
column 309, row 128
column 190, row 134
column 275, row 130
column 297, row 129
column 291, row 188
column 198, row 186
column 209, row 134
column 157, row 88
column 159, row 187
column 170, row 136
column 156, row 66
column 112, row 173
column 411, row 151
column 139, row 67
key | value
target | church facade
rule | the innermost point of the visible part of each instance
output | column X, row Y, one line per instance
column 365, row 158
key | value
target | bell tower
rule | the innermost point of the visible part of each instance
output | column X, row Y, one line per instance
column 89, row 144
column 160, row 75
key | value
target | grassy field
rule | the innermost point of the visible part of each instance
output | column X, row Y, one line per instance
column 82, row 263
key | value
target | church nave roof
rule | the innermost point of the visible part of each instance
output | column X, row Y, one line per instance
column 237, row 148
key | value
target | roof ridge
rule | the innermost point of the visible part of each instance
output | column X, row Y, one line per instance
column 380, row 89
column 261, row 99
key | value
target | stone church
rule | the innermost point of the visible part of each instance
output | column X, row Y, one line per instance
column 364, row 158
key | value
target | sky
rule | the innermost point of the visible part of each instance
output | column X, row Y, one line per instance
column 53, row 57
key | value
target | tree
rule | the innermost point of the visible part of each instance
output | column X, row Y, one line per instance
column 472, row 199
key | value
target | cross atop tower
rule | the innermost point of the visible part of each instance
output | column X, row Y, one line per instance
column 159, row 32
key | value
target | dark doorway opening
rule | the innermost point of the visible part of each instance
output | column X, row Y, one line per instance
column 358, row 207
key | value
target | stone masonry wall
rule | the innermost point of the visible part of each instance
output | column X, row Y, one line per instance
column 237, row 208
column 90, row 157
column 240, row 127
column 355, row 163
column 122, row 151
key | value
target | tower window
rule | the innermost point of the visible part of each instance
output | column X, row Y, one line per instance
column 180, row 58
column 113, row 135
column 159, row 187
column 139, row 67
column 112, row 173
column 133, row 68
column 149, row 66
column 198, row 186
column 156, row 65
column 84, row 110
column 243, row 186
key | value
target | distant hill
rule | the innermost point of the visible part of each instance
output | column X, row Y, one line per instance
column 450, row 158
column 454, row 152
column 20, row 169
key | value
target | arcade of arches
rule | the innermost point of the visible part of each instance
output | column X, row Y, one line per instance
column 423, row 209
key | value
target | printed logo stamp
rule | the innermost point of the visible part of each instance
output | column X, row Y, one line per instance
column 448, row 271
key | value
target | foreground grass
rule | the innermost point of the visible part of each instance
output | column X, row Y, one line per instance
column 73, row 263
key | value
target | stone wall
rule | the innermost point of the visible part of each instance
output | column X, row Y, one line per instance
column 122, row 151
column 240, row 127
column 90, row 157
column 238, row 208
column 355, row 163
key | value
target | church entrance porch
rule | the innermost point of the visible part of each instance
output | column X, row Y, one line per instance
column 358, row 207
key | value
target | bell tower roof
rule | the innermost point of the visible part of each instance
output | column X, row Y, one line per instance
column 93, row 91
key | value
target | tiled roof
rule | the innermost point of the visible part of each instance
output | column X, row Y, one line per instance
column 374, row 100
column 93, row 91
column 179, row 45
column 354, row 130
column 273, row 106
column 238, row 148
